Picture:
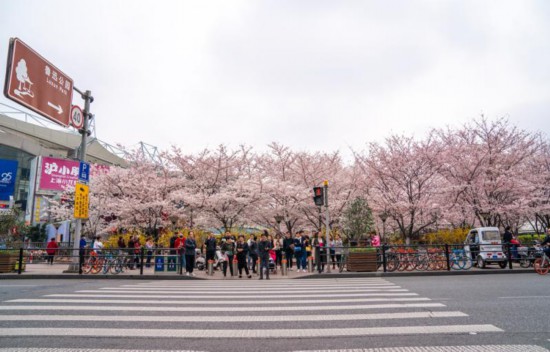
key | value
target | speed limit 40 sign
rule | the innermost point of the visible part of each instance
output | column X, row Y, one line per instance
column 77, row 117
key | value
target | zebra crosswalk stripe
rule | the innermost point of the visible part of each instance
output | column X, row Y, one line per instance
column 360, row 307
column 240, row 318
column 251, row 333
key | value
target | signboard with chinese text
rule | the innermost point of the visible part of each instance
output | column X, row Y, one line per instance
column 81, row 201
column 37, row 84
column 57, row 174
column 8, row 172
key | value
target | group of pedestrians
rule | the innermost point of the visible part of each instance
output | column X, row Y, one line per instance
column 301, row 247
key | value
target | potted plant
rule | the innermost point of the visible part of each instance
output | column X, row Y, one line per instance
column 363, row 259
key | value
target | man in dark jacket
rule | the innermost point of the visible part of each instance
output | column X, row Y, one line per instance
column 210, row 246
column 264, row 246
column 288, row 248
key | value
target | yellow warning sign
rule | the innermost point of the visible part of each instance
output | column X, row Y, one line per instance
column 81, row 201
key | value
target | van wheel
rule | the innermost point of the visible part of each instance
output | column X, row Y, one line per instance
column 480, row 262
column 502, row 264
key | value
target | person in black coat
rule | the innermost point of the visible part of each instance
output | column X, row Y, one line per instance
column 210, row 246
column 264, row 246
column 288, row 249
column 242, row 251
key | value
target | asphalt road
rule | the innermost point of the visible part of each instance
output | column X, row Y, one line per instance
column 511, row 311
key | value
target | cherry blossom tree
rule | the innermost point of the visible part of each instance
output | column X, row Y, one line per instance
column 487, row 165
column 405, row 183
column 219, row 185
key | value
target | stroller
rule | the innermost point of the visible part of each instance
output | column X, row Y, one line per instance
column 200, row 260
column 219, row 259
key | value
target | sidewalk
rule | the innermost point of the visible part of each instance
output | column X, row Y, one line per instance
column 56, row 271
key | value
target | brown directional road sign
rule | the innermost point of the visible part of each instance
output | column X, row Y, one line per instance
column 37, row 84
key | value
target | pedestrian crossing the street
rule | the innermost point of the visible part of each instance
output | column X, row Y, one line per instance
column 235, row 310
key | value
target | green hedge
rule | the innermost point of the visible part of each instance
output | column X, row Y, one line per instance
column 362, row 250
column 529, row 239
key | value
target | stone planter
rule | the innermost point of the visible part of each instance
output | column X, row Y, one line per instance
column 7, row 262
column 362, row 262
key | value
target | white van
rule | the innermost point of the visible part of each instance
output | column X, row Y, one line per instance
column 484, row 246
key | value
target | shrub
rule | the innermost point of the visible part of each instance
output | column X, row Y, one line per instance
column 445, row 236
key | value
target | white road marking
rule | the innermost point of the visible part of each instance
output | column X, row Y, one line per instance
column 277, row 308
column 519, row 297
column 469, row 348
column 242, row 318
column 209, row 302
column 63, row 349
column 249, row 333
column 206, row 297
column 214, row 294
column 246, row 290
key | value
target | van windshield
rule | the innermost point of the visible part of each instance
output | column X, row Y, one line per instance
column 491, row 236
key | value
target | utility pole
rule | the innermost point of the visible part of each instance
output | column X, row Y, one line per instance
column 88, row 99
column 327, row 226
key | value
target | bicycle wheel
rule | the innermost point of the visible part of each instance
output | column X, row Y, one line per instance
column 456, row 262
column 116, row 266
column 541, row 266
column 524, row 262
column 342, row 263
column 97, row 266
column 467, row 262
column 87, row 266
column 392, row 263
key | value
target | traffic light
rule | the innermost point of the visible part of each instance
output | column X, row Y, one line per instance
column 318, row 196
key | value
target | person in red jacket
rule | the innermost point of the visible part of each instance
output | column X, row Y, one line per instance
column 180, row 247
column 51, row 250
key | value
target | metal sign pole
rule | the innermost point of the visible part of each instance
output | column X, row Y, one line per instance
column 327, row 227
column 87, row 96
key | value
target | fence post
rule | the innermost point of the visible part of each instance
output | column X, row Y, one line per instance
column 384, row 263
column 447, row 257
column 20, row 261
column 80, row 261
column 283, row 264
column 141, row 260
column 509, row 254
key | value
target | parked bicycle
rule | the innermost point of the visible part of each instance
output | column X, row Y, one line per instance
column 542, row 264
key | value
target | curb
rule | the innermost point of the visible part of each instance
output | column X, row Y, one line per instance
column 414, row 274
column 305, row 277
column 94, row 277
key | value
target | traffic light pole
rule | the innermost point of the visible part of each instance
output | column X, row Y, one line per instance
column 327, row 227
column 88, row 99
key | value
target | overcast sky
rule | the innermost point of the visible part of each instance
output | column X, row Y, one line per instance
column 314, row 75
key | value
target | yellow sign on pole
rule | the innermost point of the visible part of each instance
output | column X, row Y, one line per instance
column 81, row 201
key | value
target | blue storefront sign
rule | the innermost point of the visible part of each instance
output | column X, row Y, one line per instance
column 8, row 172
